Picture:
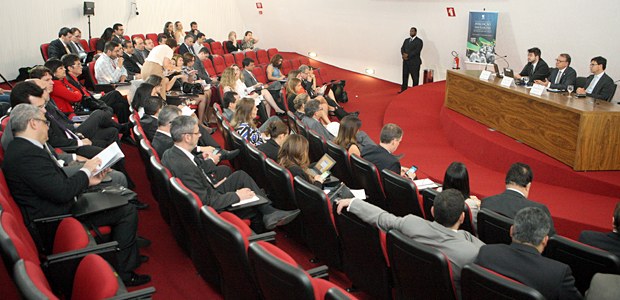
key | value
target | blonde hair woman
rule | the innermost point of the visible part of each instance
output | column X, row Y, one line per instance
column 231, row 81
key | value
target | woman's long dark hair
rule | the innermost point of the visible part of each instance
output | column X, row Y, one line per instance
column 456, row 177
column 107, row 34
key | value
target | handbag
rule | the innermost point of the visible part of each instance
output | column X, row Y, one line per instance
column 340, row 192
column 339, row 93
column 192, row 88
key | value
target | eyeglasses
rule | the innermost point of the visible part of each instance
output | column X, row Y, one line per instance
column 192, row 133
column 47, row 123
column 560, row 60
column 593, row 64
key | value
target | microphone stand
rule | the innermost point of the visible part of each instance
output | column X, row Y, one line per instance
column 504, row 58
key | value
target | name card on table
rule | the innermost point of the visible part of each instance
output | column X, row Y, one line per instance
column 508, row 81
column 485, row 75
column 537, row 89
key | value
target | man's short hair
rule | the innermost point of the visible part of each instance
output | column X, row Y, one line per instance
column 390, row 132
column 134, row 41
column 110, row 46
column 126, row 44
column 567, row 57
column 247, row 32
column 229, row 97
column 531, row 225
column 312, row 107
column 116, row 26
column 448, row 207
column 171, row 42
column 74, row 30
column 182, row 125
column 199, row 35
column 64, row 31
column 193, row 23
column 188, row 37
column 21, row 115
column 152, row 105
column 39, row 71
column 535, row 51
column 69, row 59
column 167, row 114
column 303, row 68
column 53, row 64
column 246, row 61
column 22, row 91
column 293, row 74
column 519, row 174
column 300, row 100
column 601, row 61
column 161, row 37
column 204, row 50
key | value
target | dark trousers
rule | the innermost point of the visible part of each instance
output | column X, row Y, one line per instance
column 119, row 104
column 99, row 128
column 410, row 70
column 206, row 139
column 124, row 223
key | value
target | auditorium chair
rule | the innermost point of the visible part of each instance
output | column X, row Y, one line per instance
column 342, row 168
column 85, row 45
column 94, row 279
column 252, row 55
column 420, row 271
column 302, row 128
column 281, row 191
column 239, row 56
column 219, row 117
column 226, row 135
column 319, row 227
column 295, row 63
column 316, row 145
column 279, row 276
column 219, row 64
column 92, row 42
column 263, row 57
column 217, row 48
column 126, row 37
column 494, row 228
column 209, row 67
column 367, row 177
column 188, row 206
column 229, row 238
column 481, row 283
column 256, row 165
column 286, row 67
column 401, row 195
column 140, row 35
column 336, row 294
column 259, row 74
column 365, row 260
column 208, row 46
column 229, row 60
column 304, row 60
column 580, row 82
column 292, row 125
column 271, row 52
column 428, row 198
column 160, row 187
column 238, row 142
column 44, row 48
column 153, row 37
column 584, row 260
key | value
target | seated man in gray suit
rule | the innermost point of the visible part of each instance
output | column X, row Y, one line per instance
column 443, row 234
column 608, row 241
column 598, row 85
column 561, row 76
column 214, row 187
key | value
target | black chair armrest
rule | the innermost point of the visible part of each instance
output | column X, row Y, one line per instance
column 250, row 204
column 144, row 293
column 267, row 236
column 319, row 272
column 104, row 87
column 68, row 149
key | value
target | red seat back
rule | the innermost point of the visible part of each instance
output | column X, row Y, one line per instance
column 252, row 55
column 31, row 281
column 219, row 64
column 209, row 67
column 153, row 37
column 263, row 57
column 91, row 71
column 239, row 56
column 217, row 48
column 44, row 48
column 260, row 75
column 93, row 43
column 229, row 59
column 85, row 45
column 271, row 52
column 287, row 66
column 70, row 235
column 140, row 35
column 295, row 63
column 208, row 46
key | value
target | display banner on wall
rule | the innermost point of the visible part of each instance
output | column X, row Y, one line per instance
column 481, row 37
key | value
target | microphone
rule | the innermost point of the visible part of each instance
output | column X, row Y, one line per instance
column 504, row 58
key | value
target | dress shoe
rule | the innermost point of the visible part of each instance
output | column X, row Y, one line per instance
column 279, row 218
column 137, row 279
column 401, row 91
column 138, row 204
column 142, row 242
column 229, row 155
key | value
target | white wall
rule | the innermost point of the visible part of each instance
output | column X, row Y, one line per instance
column 357, row 34
column 27, row 24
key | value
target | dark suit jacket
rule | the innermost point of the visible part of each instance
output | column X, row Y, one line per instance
column 202, row 72
column 131, row 64
column 413, row 49
column 540, row 73
column 57, row 49
column 193, row 177
column 149, row 124
column 381, row 158
column 248, row 78
column 37, row 183
column 510, row 202
column 161, row 143
column 524, row 263
column 603, row 89
column 608, row 241
column 298, row 171
column 183, row 49
column 57, row 135
column 569, row 77
column 270, row 148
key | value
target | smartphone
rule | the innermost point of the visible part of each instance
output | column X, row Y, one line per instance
column 325, row 175
column 216, row 151
column 412, row 170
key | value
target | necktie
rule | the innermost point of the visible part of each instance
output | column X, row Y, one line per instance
column 557, row 78
column 199, row 163
column 49, row 152
column 592, row 84
column 190, row 49
column 68, row 132
column 67, row 48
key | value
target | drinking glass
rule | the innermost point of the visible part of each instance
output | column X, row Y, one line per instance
column 570, row 89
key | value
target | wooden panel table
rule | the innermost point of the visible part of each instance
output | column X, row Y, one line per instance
column 583, row 133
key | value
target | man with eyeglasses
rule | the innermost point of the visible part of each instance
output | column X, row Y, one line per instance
column 598, row 85
column 75, row 44
column 561, row 76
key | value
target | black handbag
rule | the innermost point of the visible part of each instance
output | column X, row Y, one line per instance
column 192, row 88
column 339, row 93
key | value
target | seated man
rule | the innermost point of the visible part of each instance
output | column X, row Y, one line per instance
column 229, row 104
column 42, row 189
column 518, row 183
column 598, row 85
column 152, row 107
column 561, row 76
column 131, row 62
column 109, row 66
column 608, row 241
column 313, row 112
column 460, row 246
column 75, row 44
column 381, row 155
column 217, row 190
column 187, row 45
column 60, row 46
column 522, row 260
column 535, row 69
column 140, row 52
column 162, row 139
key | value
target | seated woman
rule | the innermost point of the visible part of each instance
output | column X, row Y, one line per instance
column 249, row 41
column 273, row 69
column 64, row 94
column 232, row 45
column 293, row 155
column 349, row 127
column 278, row 132
column 190, row 75
column 179, row 33
column 457, row 177
column 106, row 36
column 243, row 121
column 294, row 89
column 231, row 81
column 168, row 30
column 308, row 81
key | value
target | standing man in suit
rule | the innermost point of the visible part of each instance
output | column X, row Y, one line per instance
column 61, row 45
column 598, row 85
column 216, row 189
column 118, row 33
column 522, row 260
column 514, row 198
column 460, row 246
column 608, row 241
column 381, row 155
column 42, row 189
column 561, row 76
column 536, row 68
column 410, row 52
